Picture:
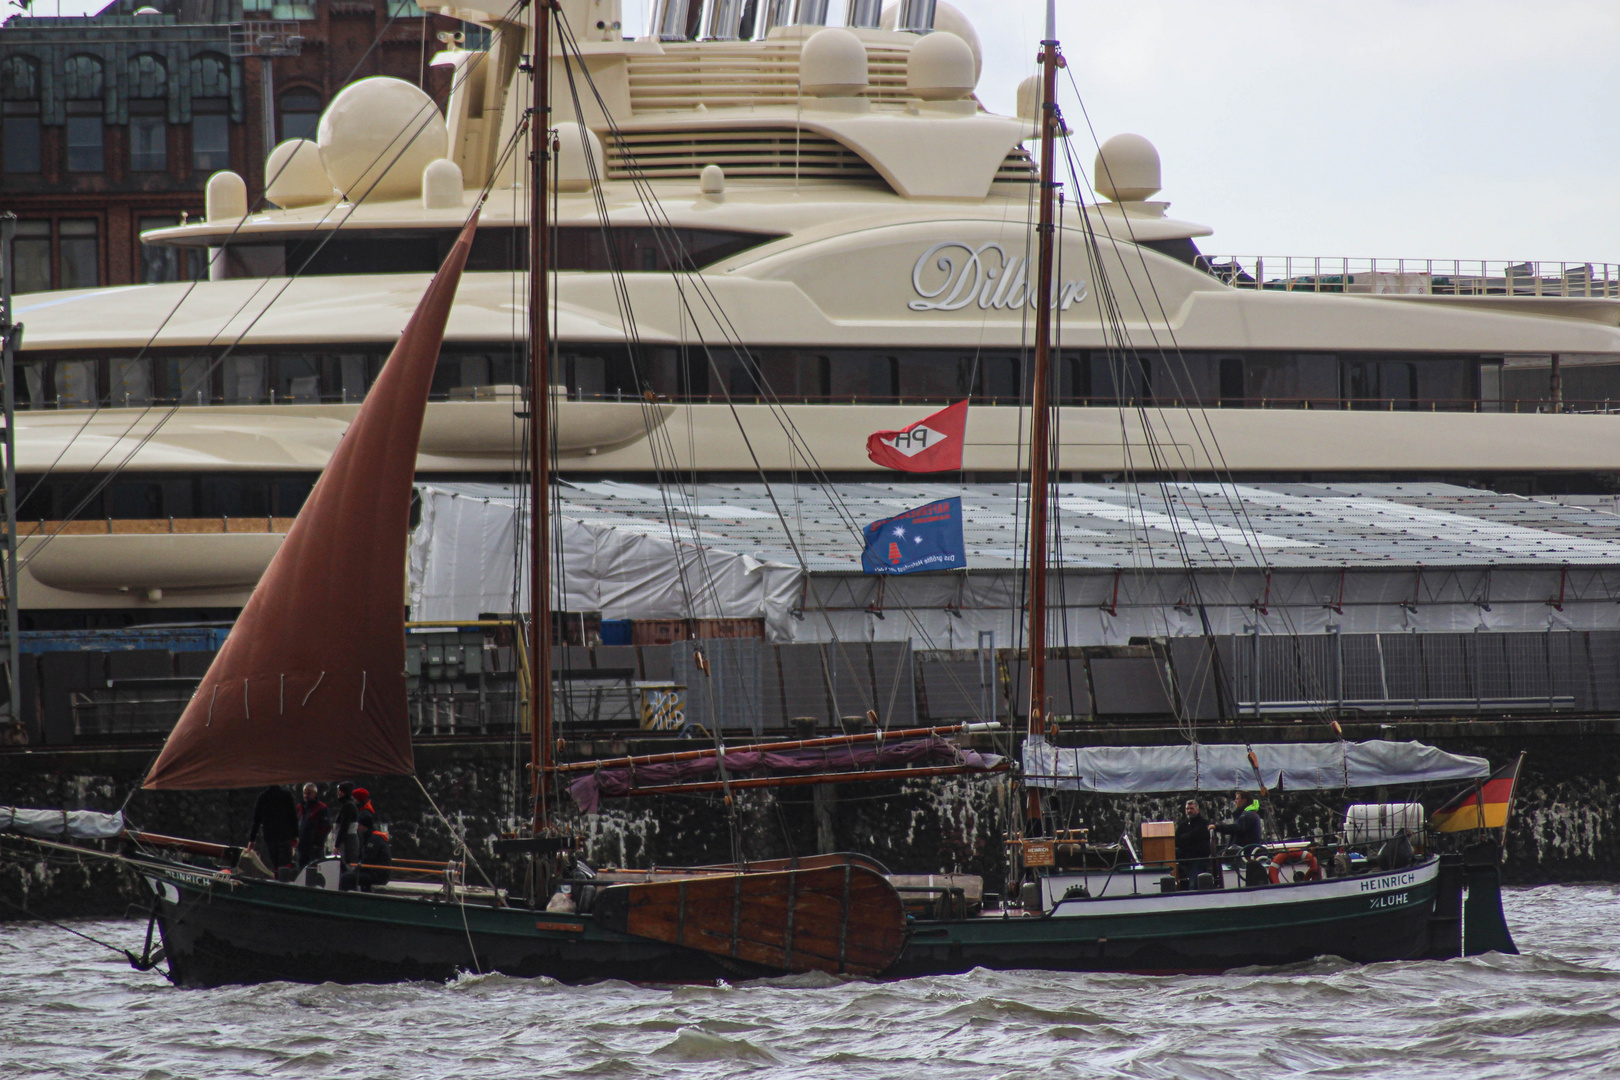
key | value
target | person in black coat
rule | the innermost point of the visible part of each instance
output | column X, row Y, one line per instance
column 1244, row 828
column 314, row 822
column 1192, row 845
column 375, row 857
column 275, row 814
column 346, row 825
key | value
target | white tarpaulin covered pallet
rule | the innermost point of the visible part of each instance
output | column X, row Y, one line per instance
column 463, row 562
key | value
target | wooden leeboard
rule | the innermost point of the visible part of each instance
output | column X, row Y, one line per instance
column 845, row 920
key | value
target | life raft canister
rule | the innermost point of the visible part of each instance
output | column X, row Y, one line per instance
column 1313, row 872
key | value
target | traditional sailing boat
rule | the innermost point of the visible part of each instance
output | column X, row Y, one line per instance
column 309, row 685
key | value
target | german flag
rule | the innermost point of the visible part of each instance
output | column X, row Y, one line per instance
column 1483, row 807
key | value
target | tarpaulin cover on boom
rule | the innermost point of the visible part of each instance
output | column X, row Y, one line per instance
column 1226, row 766
column 310, row 684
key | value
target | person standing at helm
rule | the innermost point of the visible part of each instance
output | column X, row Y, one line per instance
column 314, row 822
column 1244, row 828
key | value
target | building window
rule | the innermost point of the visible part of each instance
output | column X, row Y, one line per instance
column 165, row 262
column 19, row 115
column 210, row 139
column 300, row 114
column 82, row 84
column 148, row 108
column 84, row 144
column 80, row 247
column 31, row 257
column 148, row 144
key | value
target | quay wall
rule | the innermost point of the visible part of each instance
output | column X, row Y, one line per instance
column 1565, row 827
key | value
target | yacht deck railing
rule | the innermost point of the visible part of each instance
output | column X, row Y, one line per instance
column 1415, row 277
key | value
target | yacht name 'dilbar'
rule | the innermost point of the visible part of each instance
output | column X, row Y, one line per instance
column 972, row 275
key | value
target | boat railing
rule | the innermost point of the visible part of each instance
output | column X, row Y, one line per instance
column 1378, row 276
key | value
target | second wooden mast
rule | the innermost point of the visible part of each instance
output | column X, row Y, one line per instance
column 1041, row 405
column 540, row 705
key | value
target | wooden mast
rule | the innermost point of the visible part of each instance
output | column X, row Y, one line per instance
column 540, row 739
column 1040, row 427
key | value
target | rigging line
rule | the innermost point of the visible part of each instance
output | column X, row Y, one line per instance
column 659, row 220
column 1200, row 412
column 172, row 410
column 219, row 253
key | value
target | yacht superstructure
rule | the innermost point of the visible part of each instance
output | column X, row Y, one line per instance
column 809, row 227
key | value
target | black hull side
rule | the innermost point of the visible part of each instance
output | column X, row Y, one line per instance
column 221, row 940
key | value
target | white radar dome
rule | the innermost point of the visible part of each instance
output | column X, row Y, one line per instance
column 226, row 197
column 441, row 185
column 572, row 170
column 940, row 68
column 295, row 176
column 1127, row 169
column 377, row 136
column 948, row 19
column 832, row 64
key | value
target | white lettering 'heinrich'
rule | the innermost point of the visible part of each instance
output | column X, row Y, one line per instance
column 985, row 275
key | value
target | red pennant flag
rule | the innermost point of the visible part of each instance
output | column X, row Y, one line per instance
column 933, row 444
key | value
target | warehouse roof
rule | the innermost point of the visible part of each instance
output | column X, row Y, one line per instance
column 1142, row 526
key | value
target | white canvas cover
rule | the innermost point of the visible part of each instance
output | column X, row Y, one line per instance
column 1226, row 767
column 59, row 824
column 464, row 561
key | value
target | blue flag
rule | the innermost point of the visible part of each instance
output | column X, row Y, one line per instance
column 927, row 538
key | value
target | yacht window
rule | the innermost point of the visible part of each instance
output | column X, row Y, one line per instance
column 1119, row 377
column 245, row 379
column 165, row 262
column 188, row 379
column 298, row 378
column 934, row 376
column 129, row 382
column 351, row 377
column 1003, row 377
column 629, row 249
column 588, row 376
column 255, row 260
column 75, row 384
column 135, row 500
column 32, row 385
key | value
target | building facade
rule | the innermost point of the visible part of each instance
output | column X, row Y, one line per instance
column 110, row 125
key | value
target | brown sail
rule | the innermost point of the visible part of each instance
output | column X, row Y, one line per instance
column 310, row 684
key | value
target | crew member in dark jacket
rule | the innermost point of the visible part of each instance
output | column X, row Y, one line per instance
column 346, row 824
column 375, row 857
column 1244, row 828
column 314, row 822
column 1192, row 845
column 275, row 812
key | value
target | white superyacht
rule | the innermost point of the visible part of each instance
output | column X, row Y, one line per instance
column 774, row 238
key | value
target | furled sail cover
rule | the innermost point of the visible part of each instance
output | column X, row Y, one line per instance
column 72, row 824
column 1225, row 767
column 310, row 684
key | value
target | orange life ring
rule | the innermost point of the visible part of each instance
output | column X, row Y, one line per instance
column 1313, row 871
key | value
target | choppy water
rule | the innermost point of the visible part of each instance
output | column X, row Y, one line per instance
column 71, row 1009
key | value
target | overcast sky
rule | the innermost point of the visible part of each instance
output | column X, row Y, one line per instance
column 1400, row 128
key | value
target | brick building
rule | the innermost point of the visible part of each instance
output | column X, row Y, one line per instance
column 111, row 124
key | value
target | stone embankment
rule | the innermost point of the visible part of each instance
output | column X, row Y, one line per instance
column 1565, row 825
